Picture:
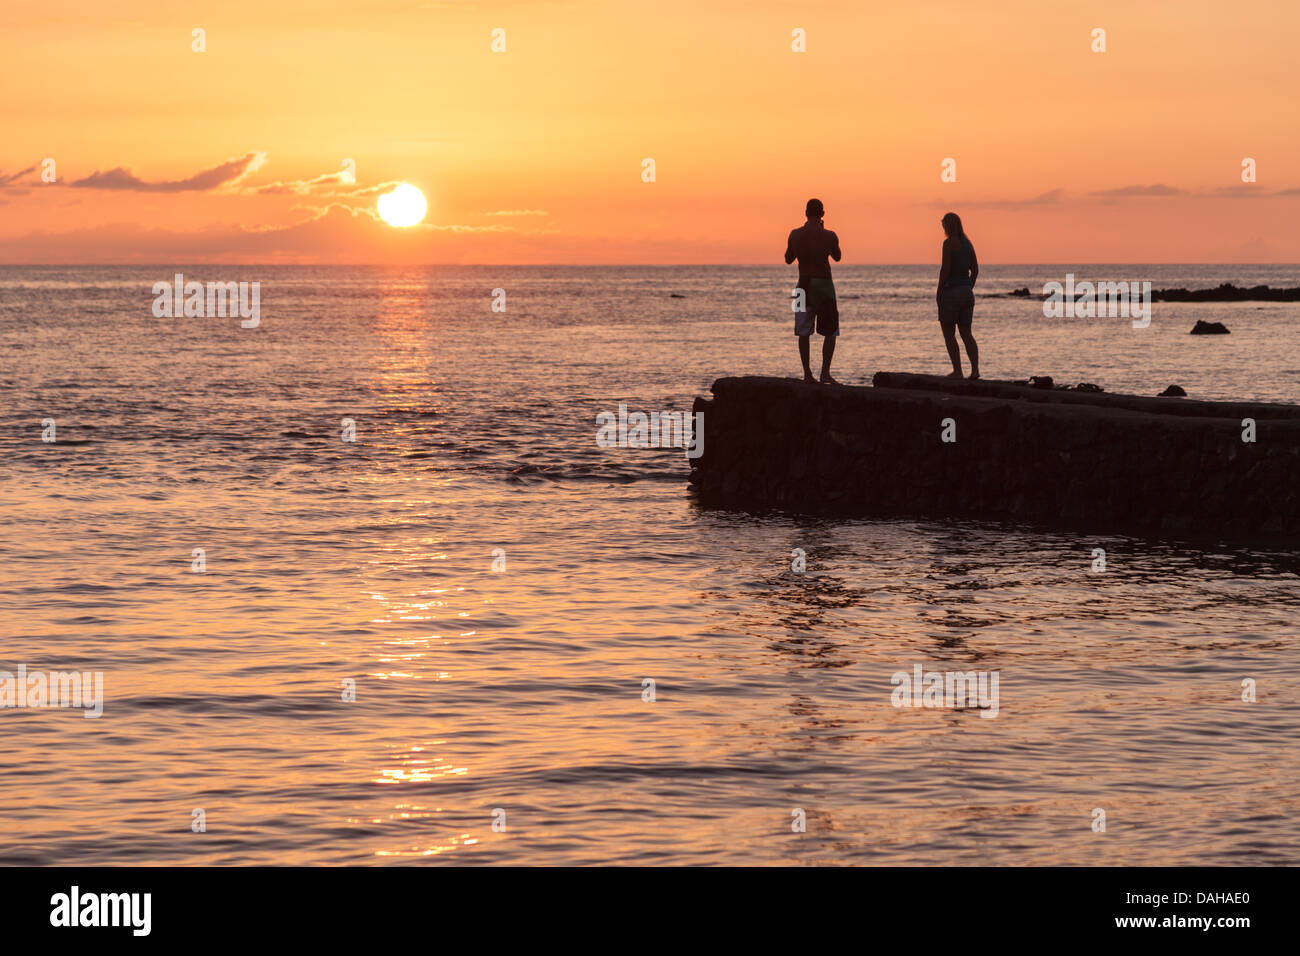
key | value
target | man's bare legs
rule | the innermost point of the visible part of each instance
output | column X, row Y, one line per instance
column 803, row 356
column 828, row 353
column 972, row 351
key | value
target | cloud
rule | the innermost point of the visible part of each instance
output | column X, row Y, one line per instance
column 333, row 185
column 7, row 178
column 229, row 173
column 326, row 184
column 1241, row 191
column 301, row 187
column 1156, row 189
column 1251, row 191
column 323, row 212
column 454, row 228
column 1042, row 199
column 518, row 212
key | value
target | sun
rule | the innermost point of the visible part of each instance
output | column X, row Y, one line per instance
column 404, row 206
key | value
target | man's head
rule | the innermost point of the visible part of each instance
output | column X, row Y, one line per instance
column 814, row 209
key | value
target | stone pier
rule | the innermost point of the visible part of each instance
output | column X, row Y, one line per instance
column 926, row 446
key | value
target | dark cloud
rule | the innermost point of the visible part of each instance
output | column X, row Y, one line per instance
column 1156, row 189
column 7, row 178
column 228, row 173
column 1043, row 199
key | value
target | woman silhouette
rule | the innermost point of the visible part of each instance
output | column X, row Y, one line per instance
column 956, row 294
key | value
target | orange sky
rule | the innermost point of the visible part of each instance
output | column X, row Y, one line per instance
column 535, row 154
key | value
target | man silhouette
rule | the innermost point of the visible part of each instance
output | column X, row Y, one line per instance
column 812, row 244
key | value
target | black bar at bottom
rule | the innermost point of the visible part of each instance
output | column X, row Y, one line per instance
column 653, row 906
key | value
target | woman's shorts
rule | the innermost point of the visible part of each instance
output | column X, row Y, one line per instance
column 957, row 306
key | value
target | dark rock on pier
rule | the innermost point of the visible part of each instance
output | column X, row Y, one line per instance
column 1173, row 391
column 1209, row 328
column 1096, row 461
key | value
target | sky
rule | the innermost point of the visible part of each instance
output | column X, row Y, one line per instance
column 536, row 154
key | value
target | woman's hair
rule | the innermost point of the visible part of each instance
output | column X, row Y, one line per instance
column 952, row 225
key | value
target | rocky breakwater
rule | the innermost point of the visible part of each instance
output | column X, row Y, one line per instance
column 925, row 446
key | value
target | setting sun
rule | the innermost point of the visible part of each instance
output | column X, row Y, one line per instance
column 404, row 206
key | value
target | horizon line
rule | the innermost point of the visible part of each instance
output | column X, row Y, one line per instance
column 583, row 265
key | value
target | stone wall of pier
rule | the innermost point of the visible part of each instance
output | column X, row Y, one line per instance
column 1100, row 462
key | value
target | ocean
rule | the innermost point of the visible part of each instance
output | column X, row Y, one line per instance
column 556, row 656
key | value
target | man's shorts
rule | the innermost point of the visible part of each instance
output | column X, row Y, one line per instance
column 957, row 306
column 820, row 310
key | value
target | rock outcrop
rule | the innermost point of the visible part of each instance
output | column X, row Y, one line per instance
column 1224, row 292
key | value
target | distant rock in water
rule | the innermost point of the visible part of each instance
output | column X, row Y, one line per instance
column 1224, row 292
column 1227, row 292
column 676, row 295
column 1173, row 391
column 1209, row 328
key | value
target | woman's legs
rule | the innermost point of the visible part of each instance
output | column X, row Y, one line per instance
column 954, row 353
column 972, row 350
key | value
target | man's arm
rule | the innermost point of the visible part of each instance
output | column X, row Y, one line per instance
column 974, row 266
column 945, row 268
column 835, row 247
column 789, row 248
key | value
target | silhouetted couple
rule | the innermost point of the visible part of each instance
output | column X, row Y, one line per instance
column 815, row 309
